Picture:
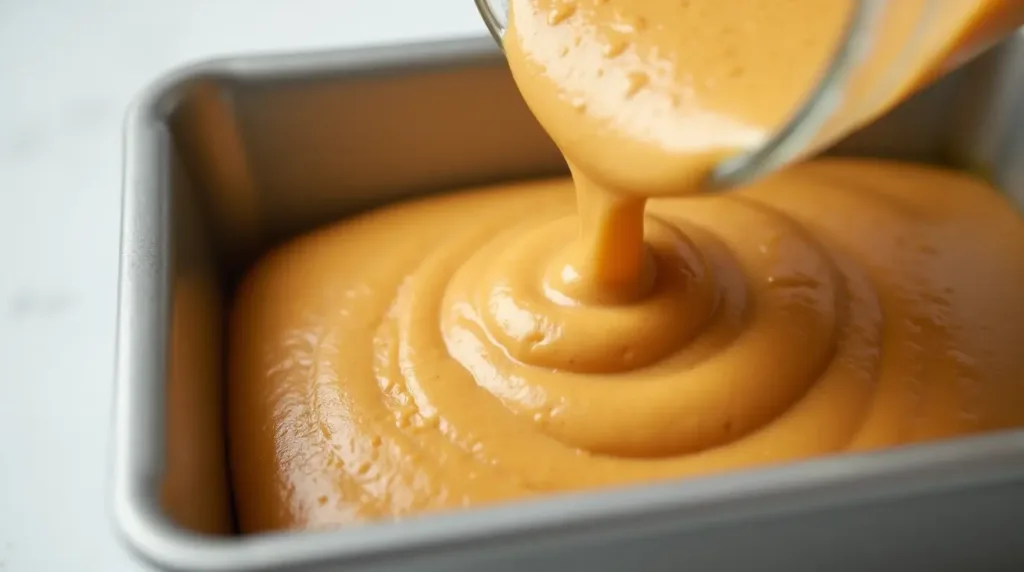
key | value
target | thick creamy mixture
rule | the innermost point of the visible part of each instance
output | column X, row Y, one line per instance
column 526, row 339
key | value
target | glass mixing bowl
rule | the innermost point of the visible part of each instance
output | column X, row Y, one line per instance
column 887, row 49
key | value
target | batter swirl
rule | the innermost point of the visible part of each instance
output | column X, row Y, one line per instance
column 430, row 355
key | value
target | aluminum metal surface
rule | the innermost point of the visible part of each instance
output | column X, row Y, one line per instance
column 228, row 157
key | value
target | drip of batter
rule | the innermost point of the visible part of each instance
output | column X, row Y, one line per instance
column 542, row 337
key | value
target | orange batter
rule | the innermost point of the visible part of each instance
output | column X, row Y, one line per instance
column 506, row 342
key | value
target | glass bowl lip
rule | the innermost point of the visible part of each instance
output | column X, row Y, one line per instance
column 794, row 137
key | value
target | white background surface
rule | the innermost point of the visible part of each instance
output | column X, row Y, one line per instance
column 68, row 69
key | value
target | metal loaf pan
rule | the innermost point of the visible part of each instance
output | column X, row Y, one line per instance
column 226, row 158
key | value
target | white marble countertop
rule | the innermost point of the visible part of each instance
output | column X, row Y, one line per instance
column 68, row 69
